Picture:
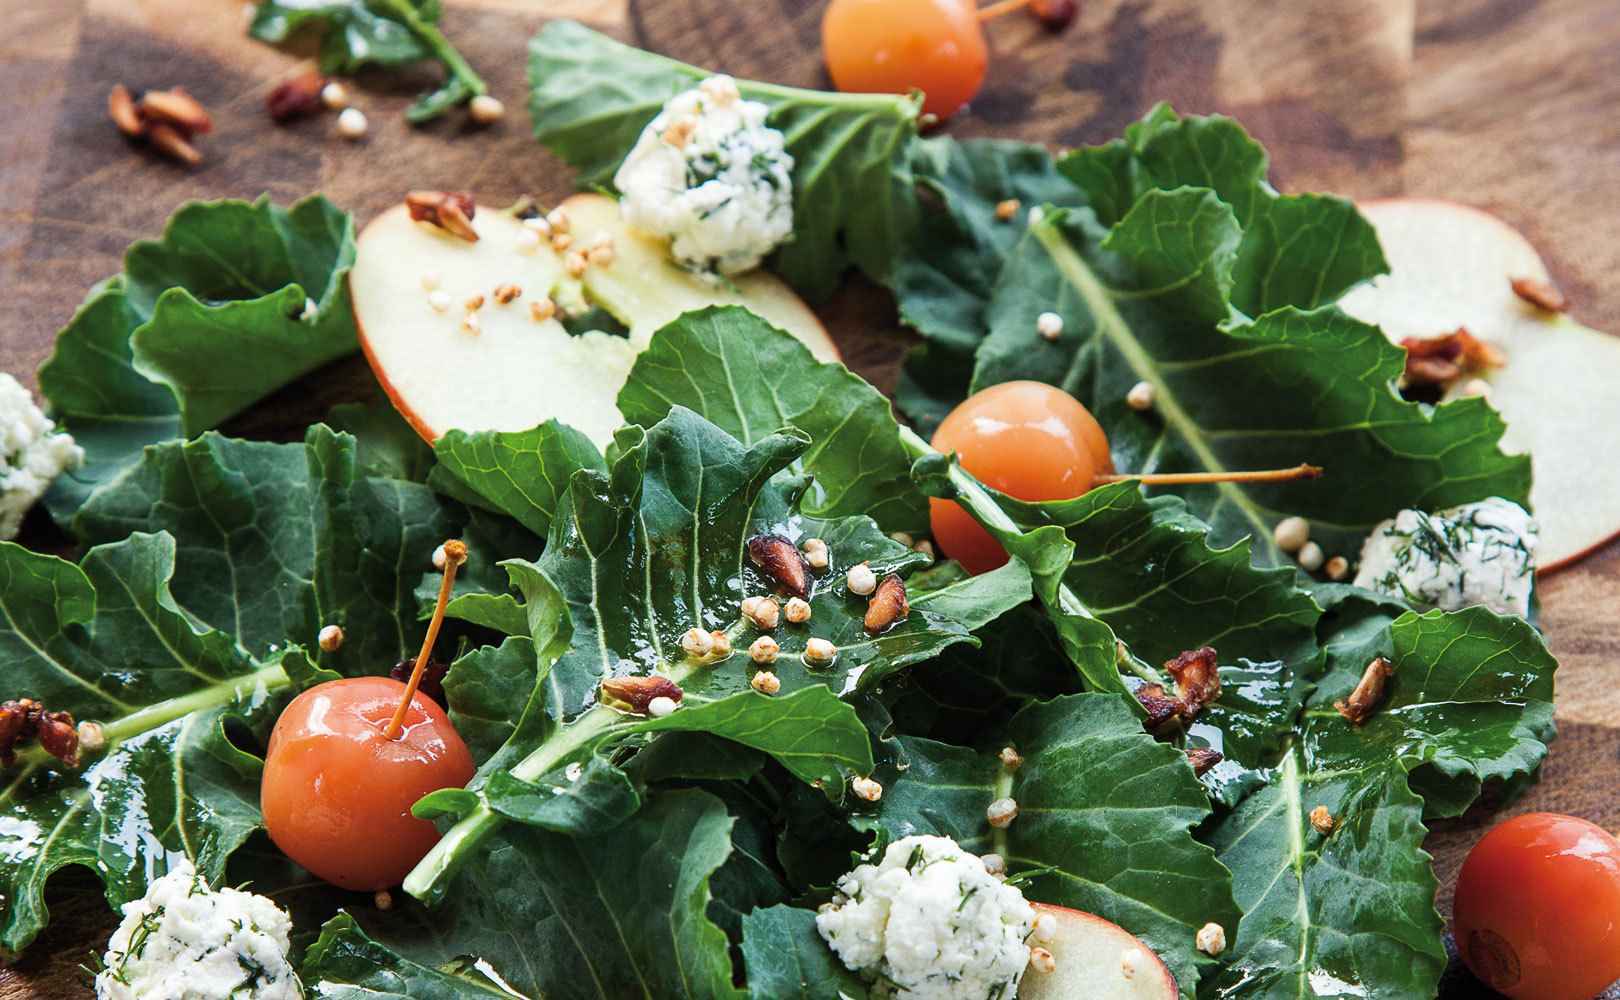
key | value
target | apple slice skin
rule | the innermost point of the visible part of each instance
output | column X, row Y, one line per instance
column 625, row 291
column 1450, row 266
column 1090, row 953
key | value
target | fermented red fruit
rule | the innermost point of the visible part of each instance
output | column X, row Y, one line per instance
column 1537, row 914
column 1029, row 440
column 337, row 793
column 896, row 46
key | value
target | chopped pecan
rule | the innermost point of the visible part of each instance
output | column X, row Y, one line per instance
column 121, row 106
column 1203, row 759
column 25, row 719
column 782, row 561
column 638, row 691
column 296, row 98
column 887, row 604
column 1368, row 693
column 449, row 210
column 432, row 677
column 166, row 139
column 1541, row 294
column 1442, row 360
column 1198, row 682
column 1322, row 821
column 177, row 108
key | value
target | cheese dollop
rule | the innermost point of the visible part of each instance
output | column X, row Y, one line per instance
column 1478, row 553
column 32, row 454
column 928, row 922
column 185, row 941
column 710, row 174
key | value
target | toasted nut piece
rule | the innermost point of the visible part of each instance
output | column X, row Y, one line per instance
column 561, row 241
column 167, row 140
column 1211, row 939
column 121, row 106
column 781, row 562
column 1141, row 396
column 1442, row 360
column 330, row 638
column 816, row 554
column 1203, row 759
column 506, row 294
column 661, row 706
column 860, row 579
column 697, row 643
column 638, row 691
column 764, row 650
column 820, row 652
column 762, row 611
column 887, row 605
column 797, row 610
column 765, row 682
column 558, row 220
column 1322, row 820
column 1001, row 813
column 451, row 211
column 542, row 309
column 474, row 302
column 335, row 96
column 383, row 900
column 1049, row 325
column 485, row 110
column 1011, row 759
column 1042, row 961
column 1541, row 294
column 722, row 643
column 576, row 264
column 1291, row 534
column 866, row 788
column 177, row 108
column 1005, row 210
column 352, row 124
column 1337, row 568
column 1368, row 693
column 295, row 98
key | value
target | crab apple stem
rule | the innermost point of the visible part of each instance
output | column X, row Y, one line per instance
column 455, row 553
column 1001, row 7
column 1301, row 471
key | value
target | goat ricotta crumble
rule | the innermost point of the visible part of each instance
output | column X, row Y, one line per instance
column 710, row 174
column 32, row 454
column 929, row 922
column 1478, row 553
column 186, row 941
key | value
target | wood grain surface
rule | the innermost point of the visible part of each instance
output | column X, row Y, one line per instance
column 1508, row 104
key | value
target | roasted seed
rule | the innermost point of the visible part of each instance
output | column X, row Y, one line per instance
column 1001, row 813
column 1541, row 294
column 1368, row 693
column 451, row 211
column 765, row 682
column 177, row 108
column 1322, row 820
column 860, row 579
column 820, row 652
column 782, row 563
column 762, row 611
column 121, row 106
column 764, row 650
column 887, row 605
column 506, row 294
column 298, row 97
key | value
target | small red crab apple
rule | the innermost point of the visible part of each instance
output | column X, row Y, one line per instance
column 1033, row 441
column 347, row 760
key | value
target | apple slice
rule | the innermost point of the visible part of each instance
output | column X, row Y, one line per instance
column 516, row 372
column 1450, row 266
column 1097, row 960
column 645, row 290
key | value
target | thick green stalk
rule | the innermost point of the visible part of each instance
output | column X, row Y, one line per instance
column 458, row 67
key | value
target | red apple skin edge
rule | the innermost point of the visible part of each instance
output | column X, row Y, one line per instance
column 1509, row 234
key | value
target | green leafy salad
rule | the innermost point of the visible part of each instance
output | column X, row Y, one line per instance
column 705, row 669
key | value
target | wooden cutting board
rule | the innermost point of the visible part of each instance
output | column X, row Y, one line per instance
column 1503, row 103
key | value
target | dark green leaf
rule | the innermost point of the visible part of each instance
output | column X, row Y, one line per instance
column 387, row 446
column 853, row 202
column 520, row 474
column 592, row 802
column 202, row 324
column 771, row 381
column 106, row 641
column 787, row 960
column 346, row 964
column 1105, row 807
column 1149, row 301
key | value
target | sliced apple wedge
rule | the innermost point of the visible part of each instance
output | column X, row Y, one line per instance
column 1097, row 960
column 644, row 290
column 515, row 371
column 1450, row 266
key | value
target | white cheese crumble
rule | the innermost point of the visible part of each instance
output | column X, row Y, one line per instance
column 32, row 454
column 1479, row 553
column 711, row 175
column 928, row 922
column 185, row 941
